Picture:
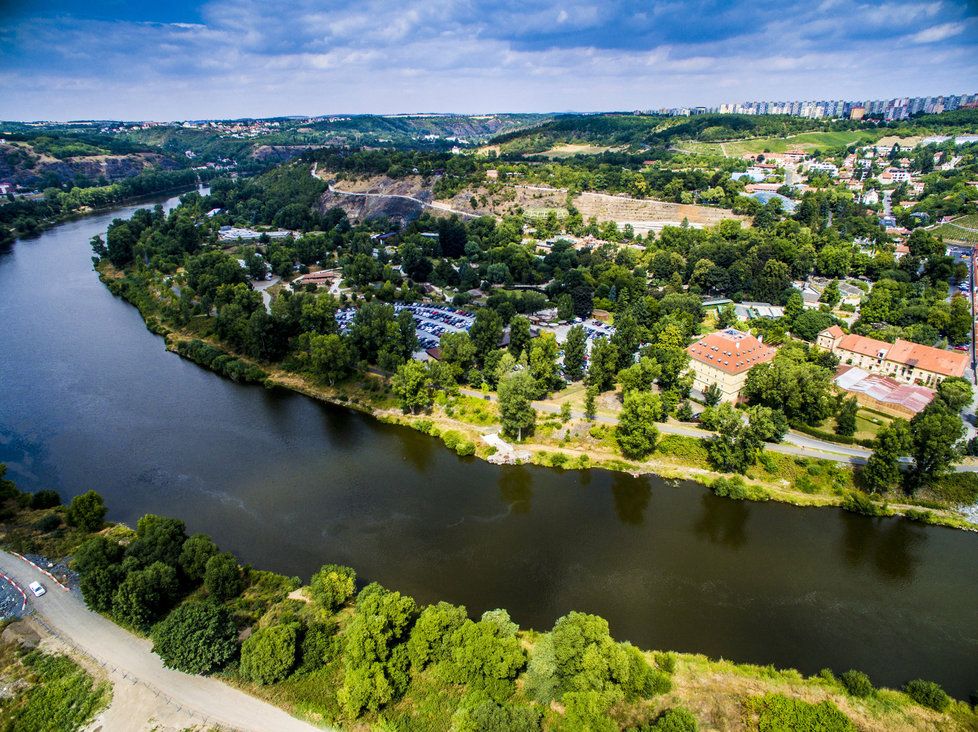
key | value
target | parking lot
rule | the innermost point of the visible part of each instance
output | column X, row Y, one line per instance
column 431, row 321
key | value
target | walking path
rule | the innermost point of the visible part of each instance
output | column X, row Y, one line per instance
column 128, row 660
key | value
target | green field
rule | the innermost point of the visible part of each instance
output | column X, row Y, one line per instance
column 808, row 141
column 964, row 228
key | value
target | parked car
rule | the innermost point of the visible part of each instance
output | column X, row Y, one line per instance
column 37, row 588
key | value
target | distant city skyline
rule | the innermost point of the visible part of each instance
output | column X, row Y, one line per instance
column 221, row 59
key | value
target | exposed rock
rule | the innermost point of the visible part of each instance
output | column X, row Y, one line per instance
column 22, row 634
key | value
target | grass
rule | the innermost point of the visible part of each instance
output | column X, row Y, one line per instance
column 52, row 692
column 807, row 141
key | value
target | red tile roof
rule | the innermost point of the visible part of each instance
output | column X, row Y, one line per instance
column 731, row 351
column 915, row 355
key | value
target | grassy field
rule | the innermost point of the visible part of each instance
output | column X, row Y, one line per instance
column 808, row 141
column 964, row 228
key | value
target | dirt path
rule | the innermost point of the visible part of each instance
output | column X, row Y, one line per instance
column 128, row 660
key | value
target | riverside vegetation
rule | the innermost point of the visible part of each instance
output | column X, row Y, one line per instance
column 188, row 286
column 358, row 655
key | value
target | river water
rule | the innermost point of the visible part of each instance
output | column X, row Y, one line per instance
column 90, row 399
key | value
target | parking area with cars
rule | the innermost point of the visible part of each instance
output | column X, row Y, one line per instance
column 431, row 321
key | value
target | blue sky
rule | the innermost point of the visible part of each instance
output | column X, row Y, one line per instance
column 67, row 59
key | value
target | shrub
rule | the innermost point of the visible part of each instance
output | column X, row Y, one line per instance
column 465, row 448
column 858, row 502
column 222, row 577
column 774, row 712
column 87, row 511
column 63, row 696
column 333, row 585
column 666, row 662
column 676, row 719
column 45, row 499
column 928, row 694
column 197, row 637
column 48, row 523
column 857, row 683
column 268, row 654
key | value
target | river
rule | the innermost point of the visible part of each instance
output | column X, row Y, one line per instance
column 90, row 399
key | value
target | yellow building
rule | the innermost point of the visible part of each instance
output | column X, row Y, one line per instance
column 724, row 358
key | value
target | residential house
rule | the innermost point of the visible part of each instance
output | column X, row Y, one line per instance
column 907, row 362
column 724, row 358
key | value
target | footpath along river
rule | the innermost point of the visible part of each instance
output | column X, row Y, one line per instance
column 90, row 399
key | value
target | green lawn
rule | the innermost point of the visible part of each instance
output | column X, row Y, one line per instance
column 808, row 141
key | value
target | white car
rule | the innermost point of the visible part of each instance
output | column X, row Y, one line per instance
column 37, row 588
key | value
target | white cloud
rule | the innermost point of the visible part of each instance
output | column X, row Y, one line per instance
column 938, row 33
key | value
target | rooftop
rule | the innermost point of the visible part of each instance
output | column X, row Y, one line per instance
column 731, row 351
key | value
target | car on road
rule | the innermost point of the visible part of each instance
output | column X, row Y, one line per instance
column 37, row 588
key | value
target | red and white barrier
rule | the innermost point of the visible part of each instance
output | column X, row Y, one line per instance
column 54, row 579
column 23, row 595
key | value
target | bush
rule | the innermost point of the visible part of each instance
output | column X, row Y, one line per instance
column 45, row 499
column 857, row 683
column 928, row 694
column 776, row 712
column 734, row 488
column 87, row 511
column 48, row 523
column 676, row 719
column 666, row 662
column 268, row 654
column 222, row 577
column 197, row 637
column 465, row 448
column 857, row 502
column 333, row 585
column 63, row 697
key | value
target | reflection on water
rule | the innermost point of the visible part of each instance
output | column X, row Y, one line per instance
column 90, row 399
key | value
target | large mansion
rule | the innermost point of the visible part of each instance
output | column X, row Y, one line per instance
column 908, row 362
column 724, row 358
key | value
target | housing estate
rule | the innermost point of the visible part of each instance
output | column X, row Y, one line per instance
column 907, row 362
column 724, row 358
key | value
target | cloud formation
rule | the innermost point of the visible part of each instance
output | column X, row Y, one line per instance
column 66, row 59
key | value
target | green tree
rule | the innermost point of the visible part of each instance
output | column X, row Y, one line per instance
column 516, row 392
column 959, row 322
column 726, row 316
column 432, row 635
column 544, row 368
column 845, row 418
column 575, row 349
column 928, row 694
column 486, row 332
column 712, row 395
column 882, row 470
column 735, row 446
column 197, row 638
column 331, row 357
column 269, row 654
column 194, row 555
column 486, row 655
column 831, row 295
column 769, row 425
column 794, row 307
column 413, row 388
column 604, row 362
column 636, row 433
column 158, row 539
column 519, row 335
column 639, row 376
column 801, row 389
column 565, row 307
column 590, row 403
column 936, row 432
column 222, row 577
column 86, row 512
column 955, row 392
column 332, row 586
column 144, row 595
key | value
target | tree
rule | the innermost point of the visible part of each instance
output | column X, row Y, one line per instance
column 794, row 307
column 770, row 425
column 712, row 395
column 935, row 432
column 959, row 323
column 457, row 350
column 636, row 433
column 639, row 376
column 604, row 360
column 194, row 555
column 86, row 512
column 845, row 418
column 516, row 392
column 332, row 586
column 268, row 654
column 575, row 350
column 486, row 656
column 810, row 323
column 197, row 638
column 544, row 368
column 432, row 636
column 928, row 694
column 831, row 295
column 735, row 446
column 486, row 331
column 158, row 539
column 882, row 470
column 565, row 307
column 222, row 577
column 331, row 357
column 590, row 406
column 801, row 389
column 955, row 392
column 412, row 386
column 45, row 499
column 519, row 335
column 144, row 594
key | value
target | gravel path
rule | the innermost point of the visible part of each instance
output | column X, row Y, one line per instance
column 130, row 658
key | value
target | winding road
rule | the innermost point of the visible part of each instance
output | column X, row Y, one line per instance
column 207, row 699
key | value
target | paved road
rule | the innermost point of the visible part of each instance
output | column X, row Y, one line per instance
column 109, row 644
